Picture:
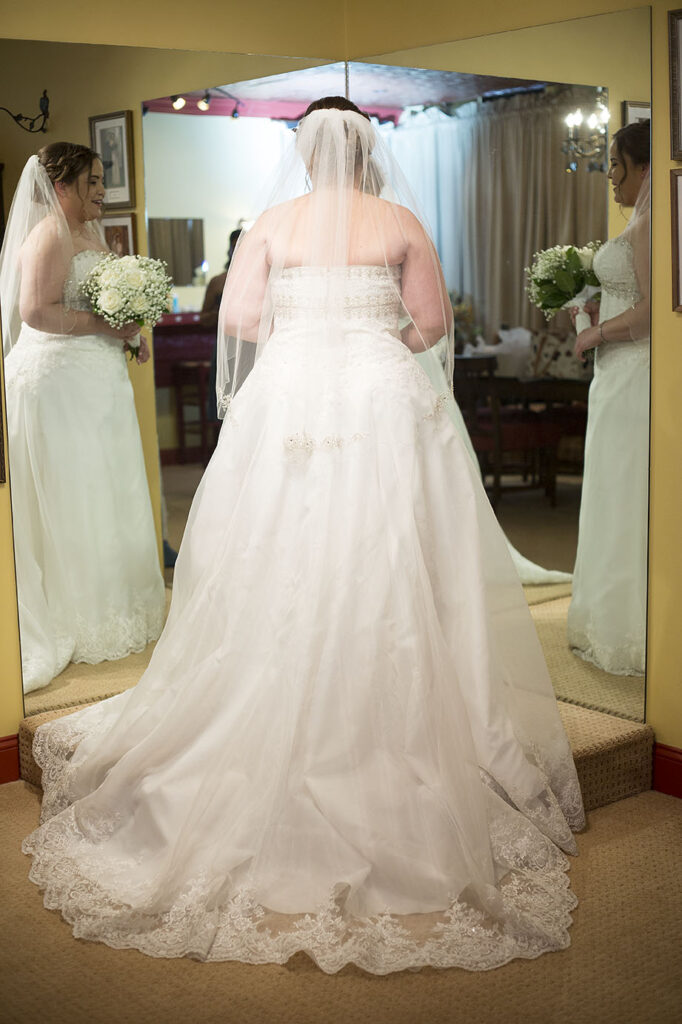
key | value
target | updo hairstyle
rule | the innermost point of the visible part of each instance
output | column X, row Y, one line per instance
column 66, row 161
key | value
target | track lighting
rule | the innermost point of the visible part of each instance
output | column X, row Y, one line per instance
column 205, row 102
column 178, row 102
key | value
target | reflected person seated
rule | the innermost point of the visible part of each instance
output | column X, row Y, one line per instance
column 88, row 578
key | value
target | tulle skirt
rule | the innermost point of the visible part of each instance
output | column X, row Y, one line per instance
column 346, row 741
column 88, row 578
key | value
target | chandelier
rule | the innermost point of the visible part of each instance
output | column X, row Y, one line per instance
column 586, row 138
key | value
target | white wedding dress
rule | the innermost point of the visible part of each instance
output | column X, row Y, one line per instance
column 346, row 741
column 607, row 614
column 88, row 578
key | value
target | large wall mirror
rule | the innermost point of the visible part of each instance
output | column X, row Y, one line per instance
column 589, row 50
column 480, row 130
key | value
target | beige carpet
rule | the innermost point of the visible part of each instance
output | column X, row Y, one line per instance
column 576, row 680
column 549, row 592
column 624, row 965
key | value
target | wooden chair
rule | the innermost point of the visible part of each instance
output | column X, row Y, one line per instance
column 509, row 439
column 190, row 382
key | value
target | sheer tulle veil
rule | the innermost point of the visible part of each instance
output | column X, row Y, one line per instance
column 35, row 219
column 339, row 201
column 638, row 234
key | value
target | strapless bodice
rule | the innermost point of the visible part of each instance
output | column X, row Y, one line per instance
column 81, row 265
column 38, row 354
column 614, row 265
column 354, row 296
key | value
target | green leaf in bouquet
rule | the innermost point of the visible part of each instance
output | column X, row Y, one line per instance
column 551, row 296
column 571, row 257
column 565, row 281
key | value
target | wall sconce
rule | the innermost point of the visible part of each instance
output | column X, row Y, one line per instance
column 590, row 146
column 37, row 123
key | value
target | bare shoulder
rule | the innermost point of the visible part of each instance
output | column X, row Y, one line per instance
column 276, row 214
column 410, row 225
column 45, row 236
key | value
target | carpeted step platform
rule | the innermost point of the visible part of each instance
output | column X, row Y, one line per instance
column 613, row 756
column 577, row 681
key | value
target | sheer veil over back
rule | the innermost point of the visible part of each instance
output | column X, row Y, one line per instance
column 347, row 741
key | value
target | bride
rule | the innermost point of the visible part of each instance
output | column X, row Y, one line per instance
column 346, row 741
column 607, row 614
column 88, row 578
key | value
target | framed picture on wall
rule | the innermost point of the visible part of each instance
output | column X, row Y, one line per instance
column 635, row 110
column 120, row 231
column 675, row 59
column 112, row 136
column 676, row 208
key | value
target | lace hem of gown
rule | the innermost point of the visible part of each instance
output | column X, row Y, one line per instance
column 625, row 660
column 115, row 637
column 526, row 914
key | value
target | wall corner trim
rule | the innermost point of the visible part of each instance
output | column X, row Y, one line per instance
column 667, row 770
column 9, row 758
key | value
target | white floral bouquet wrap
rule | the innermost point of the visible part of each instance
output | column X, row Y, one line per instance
column 129, row 289
column 561, row 277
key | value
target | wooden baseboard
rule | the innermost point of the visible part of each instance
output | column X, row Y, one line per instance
column 667, row 770
column 9, row 758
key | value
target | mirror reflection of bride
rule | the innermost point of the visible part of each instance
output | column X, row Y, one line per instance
column 88, row 578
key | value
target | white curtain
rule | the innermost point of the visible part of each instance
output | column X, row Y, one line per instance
column 492, row 183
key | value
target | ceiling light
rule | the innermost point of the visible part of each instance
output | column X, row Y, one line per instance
column 205, row 102
column 178, row 102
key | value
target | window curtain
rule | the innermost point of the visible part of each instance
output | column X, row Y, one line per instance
column 180, row 243
column 493, row 187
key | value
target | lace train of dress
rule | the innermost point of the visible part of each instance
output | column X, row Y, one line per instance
column 346, row 741
column 89, row 584
column 607, row 614
column 529, row 572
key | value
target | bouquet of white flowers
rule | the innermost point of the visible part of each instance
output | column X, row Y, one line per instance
column 561, row 277
column 129, row 289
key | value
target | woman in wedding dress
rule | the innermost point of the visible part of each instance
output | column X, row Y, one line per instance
column 346, row 742
column 88, row 578
column 607, row 614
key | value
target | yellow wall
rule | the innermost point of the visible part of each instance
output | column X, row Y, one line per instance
column 664, row 680
column 293, row 27
column 11, row 701
column 359, row 29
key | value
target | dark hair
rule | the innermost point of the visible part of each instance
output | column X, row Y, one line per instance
column 334, row 103
column 65, row 161
column 634, row 140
